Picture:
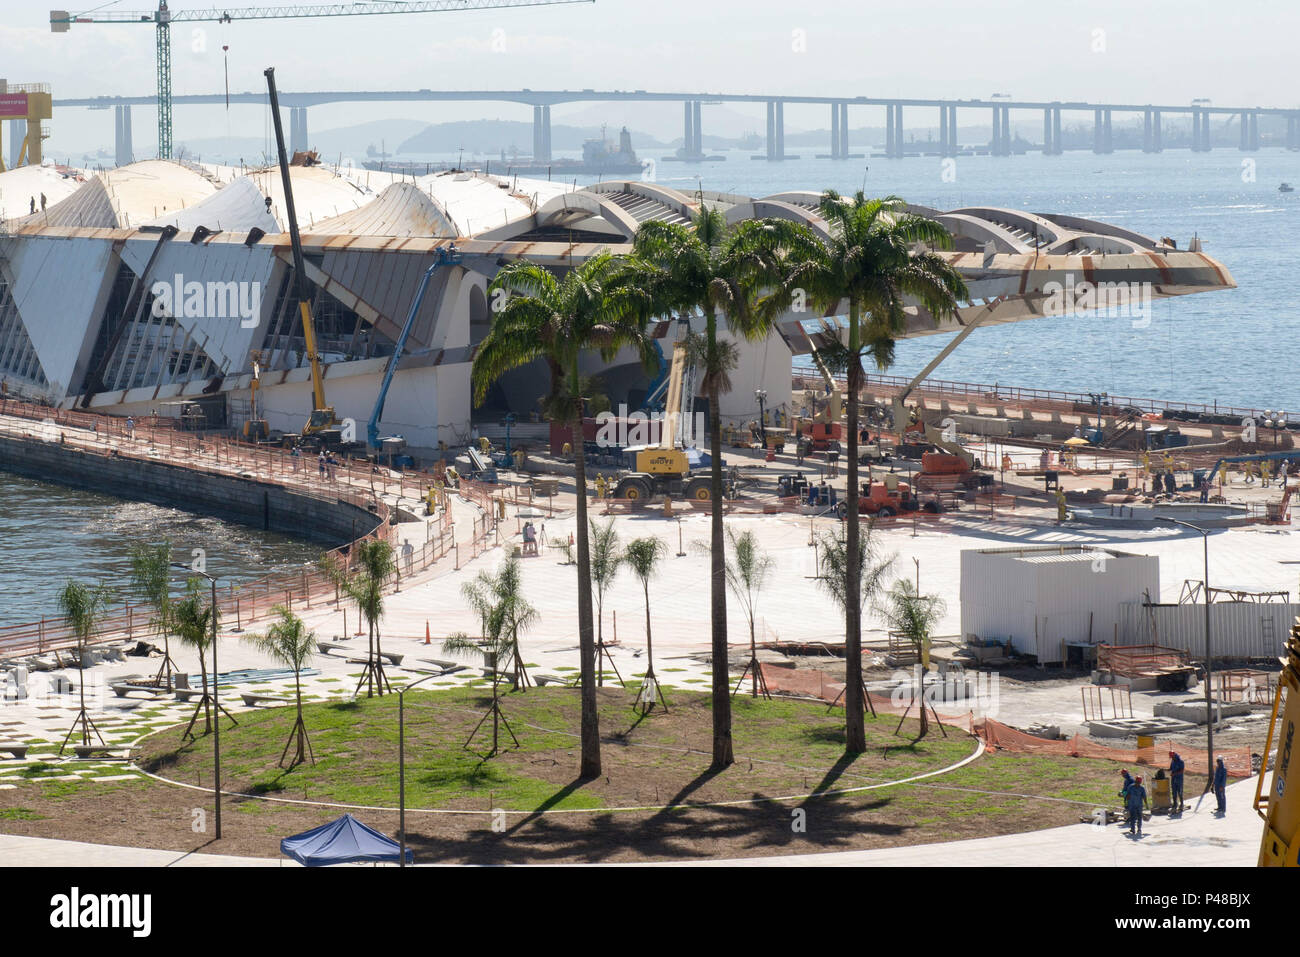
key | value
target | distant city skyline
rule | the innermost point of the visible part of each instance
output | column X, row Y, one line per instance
column 1161, row 51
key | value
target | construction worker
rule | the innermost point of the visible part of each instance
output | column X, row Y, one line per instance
column 431, row 501
column 1223, row 475
column 501, row 509
column 1176, row 768
column 1060, row 505
column 1265, row 473
column 1221, row 786
column 602, row 487
column 485, row 445
column 1135, row 802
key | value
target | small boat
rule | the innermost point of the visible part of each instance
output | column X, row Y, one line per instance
column 1286, row 188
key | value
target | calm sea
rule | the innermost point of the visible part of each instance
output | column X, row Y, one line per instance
column 49, row 534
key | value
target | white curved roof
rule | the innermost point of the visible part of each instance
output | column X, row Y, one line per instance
column 129, row 196
column 238, row 207
column 18, row 187
column 402, row 209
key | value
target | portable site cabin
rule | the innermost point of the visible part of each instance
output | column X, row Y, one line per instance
column 1045, row 599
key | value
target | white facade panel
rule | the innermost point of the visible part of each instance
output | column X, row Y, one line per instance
column 201, row 280
column 1043, row 600
column 59, row 287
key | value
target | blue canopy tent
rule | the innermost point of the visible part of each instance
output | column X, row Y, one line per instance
column 343, row 841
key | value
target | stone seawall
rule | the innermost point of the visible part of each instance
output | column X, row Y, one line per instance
column 244, row 500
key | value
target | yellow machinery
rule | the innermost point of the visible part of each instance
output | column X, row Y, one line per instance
column 322, row 424
column 31, row 102
column 824, row 425
column 1280, row 805
column 255, row 429
column 664, row 469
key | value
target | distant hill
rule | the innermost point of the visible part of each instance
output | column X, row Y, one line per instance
column 492, row 136
column 348, row 141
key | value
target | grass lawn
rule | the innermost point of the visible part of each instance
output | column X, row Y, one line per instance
column 785, row 749
column 789, row 746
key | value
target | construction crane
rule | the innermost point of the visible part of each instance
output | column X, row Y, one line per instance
column 1279, row 806
column 162, row 19
column 322, row 423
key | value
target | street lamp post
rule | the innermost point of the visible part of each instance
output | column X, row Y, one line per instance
column 1275, row 421
column 216, row 700
column 761, row 396
column 401, row 766
column 1209, row 662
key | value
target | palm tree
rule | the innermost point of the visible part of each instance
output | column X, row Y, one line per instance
column 503, row 614
column 593, row 307
column 738, row 273
column 869, row 569
column 606, row 558
column 151, row 578
column 914, row 616
column 289, row 642
column 876, row 256
column 191, row 616
column 83, row 606
column 643, row 555
column 747, row 572
column 373, row 565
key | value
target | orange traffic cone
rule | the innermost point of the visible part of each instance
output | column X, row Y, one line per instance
column 427, row 640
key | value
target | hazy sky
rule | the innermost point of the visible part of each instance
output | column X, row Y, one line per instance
column 1159, row 50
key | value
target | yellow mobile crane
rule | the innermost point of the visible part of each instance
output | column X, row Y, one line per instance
column 1280, row 806
column 663, row 469
column 322, row 422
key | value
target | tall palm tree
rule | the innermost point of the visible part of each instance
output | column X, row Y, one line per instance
column 737, row 273
column 747, row 572
column 503, row 613
column 83, row 607
column 151, row 579
column 191, row 617
column 877, row 257
column 643, row 555
column 593, row 307
column 290, row 642
column 373, row 564
column 606, row 559
column 915, row 617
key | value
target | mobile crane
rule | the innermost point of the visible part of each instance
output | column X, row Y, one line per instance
column 1280, row 807
column 664, row 469
column 322, row 425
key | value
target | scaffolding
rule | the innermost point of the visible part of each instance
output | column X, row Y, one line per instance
column 1193, row 590
column 1095, row 700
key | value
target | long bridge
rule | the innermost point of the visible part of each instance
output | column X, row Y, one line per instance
column 1202, row 115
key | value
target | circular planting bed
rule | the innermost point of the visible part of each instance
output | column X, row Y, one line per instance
column 784, row 748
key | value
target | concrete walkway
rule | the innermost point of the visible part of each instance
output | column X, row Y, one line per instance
column 1198, row 838
column 47, row 852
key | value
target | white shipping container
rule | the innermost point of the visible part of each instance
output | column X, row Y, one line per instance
column 1045, row 598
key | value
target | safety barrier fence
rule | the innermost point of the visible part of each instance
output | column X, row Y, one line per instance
column 996, row 392
column 1000, row 737
column 360, row 485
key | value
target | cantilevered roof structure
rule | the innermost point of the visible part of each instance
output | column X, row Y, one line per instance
column 101, row 306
